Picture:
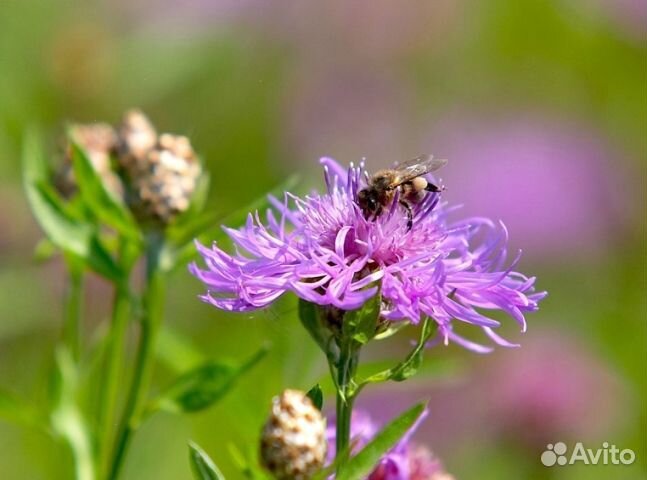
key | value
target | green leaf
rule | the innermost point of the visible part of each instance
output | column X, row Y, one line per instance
column 45, row 250
column 316, row 395
column 390, row 330
column 62, row 229
column 34, row 167
column 361, row 465
column 329, row 470
column 202, row 466
column 177, row 352
column 69, row 209
column 361, row 324
column 198, row 388
column 101, row 202
column 66, row 417
column 410, row 365
column 203, row 386
column 441, row 369
column 102, row 262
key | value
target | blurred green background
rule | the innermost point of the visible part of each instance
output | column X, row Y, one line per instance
column 539, row 105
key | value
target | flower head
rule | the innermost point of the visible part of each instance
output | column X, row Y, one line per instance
column 155, row 175
column 323, row 248
column 99, row 140
column 162, row 170
column 137, row 137
column 163, row 189
column 293, row 442
column 406, row 461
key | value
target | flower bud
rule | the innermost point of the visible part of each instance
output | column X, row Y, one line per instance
column 293, row 442
column 99, row 142
column 137, row 137
column 164, row 179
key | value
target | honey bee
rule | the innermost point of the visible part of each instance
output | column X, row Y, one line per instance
column 407, row 178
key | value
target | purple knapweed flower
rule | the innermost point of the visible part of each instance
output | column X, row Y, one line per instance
column 406, row 461
column 572, row 194
column 556, row 388
column 323, row 248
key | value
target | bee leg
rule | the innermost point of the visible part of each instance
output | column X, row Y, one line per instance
column 407, row 207
column 432, row 188
column 377, row 213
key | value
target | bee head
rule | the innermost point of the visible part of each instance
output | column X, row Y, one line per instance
column 367, row 199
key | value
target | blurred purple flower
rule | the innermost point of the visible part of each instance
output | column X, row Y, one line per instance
column 628, row 16
column 555, row 389
column 324, row 249
column 405, row 461
column 557, row 185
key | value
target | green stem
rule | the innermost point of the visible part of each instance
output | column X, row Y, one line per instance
column 66, row 417
column 153, row 304
column 115, row 351
column 346, row 369
column 73, row 302
column 107, row 410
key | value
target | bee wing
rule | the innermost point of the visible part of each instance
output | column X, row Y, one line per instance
column 418, row 166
